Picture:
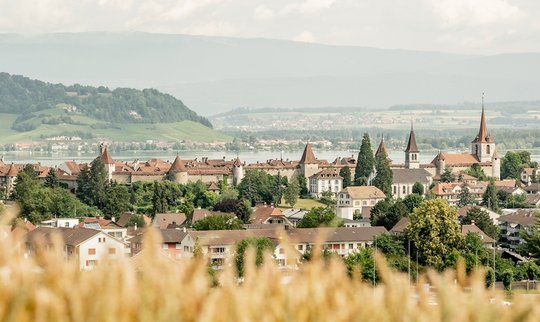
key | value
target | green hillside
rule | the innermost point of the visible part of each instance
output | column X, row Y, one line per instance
column 35, row 110
column 89, row 128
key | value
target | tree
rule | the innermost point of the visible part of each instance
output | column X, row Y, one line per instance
column 362, row 261
column 117, row 201
column 277, row 190
column 302, row 182
column 365, row 162
column 159, row 199
column 136, row 220
column 291, row 192
column 511, row 165
column 490, row 199
column 345, row 173
column 383, row 178
column 319, row 216
column 508, row 279
column 25, row 183
column 327, row 198
column 51, row 180
column 243, row 211
column 465, row 197
column 448, row 176
column 434, row 232
column 387, row 213
column 257, row 186
column 83, row 186
column 412, row 201
column 227, row 205
column 97, row 184
column 390, row 244
column 261, row 245
column 482, row 220
column 531, row 247
column 476, row 171
column 418, row 188
column 218, row 222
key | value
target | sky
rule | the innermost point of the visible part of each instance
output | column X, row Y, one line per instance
column 458, row 26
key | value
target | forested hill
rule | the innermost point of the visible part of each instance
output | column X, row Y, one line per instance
column 27, row 97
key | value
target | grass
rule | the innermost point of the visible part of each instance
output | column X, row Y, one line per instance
column 168, row 132
column 302, row 203
column 150, row 287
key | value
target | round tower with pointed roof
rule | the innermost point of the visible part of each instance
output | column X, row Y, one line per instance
column 496, row 165
column 178, row 172
column 237, row 171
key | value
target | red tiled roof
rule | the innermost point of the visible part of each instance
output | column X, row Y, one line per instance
column 177, row 166
column 308, row 157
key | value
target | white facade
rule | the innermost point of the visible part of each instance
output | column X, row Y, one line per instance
column 61, row 222
column 96, row 248
column 319, row 185
column 350, row 203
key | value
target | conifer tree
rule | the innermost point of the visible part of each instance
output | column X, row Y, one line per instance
column 490, row 198
column 345, row 173
column 383, row 178
column 364, row 163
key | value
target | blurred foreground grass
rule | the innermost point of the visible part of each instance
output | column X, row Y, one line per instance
column 150, row 287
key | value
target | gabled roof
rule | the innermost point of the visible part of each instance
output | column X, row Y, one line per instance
column 308, row 157
column 262, row 214
column 213, row 187
column 411, row 145
column 524, row 217
column 327, row 173
column 465, row 229
column 339, row 234
column 410, row 176
column 162, row 221
column 364, row 192
column 177, row 166
column 400, row 226
column 456, row 158
column 70, row 236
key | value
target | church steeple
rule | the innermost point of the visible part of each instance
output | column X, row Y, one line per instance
column 411, row 152
column 483, row 146
column 382, row 148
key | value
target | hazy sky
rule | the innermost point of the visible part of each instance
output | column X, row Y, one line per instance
column 464, row 26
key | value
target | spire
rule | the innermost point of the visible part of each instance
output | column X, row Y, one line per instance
column 177, row 166
column 13, row 171
column 105, row 157
column 482, row 132
column 381, row 148
column 308, row 156
column 237, row 162
column 411, row 145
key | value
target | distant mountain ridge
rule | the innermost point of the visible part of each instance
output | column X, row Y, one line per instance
column 216, row 74
column 27, row 97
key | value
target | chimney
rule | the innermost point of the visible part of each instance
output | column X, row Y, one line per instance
column 184, row 229
column 135, row 227
column 113, row 219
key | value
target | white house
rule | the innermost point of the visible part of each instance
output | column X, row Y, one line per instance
column 325, row 180
column 61, row 222
column 351, row 200
column 529, row 174
column 87, row 246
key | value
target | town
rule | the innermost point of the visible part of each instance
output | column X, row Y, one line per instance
column 204, row 207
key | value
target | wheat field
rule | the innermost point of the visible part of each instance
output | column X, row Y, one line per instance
column 150, row 287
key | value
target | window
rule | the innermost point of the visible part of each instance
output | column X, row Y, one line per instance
column 112, row 251
column 488, row 148
column 300, row 247
column 165, row 246
column 91, row 263
column 404, row 189
column 364, row 203
column 178, row 246
column 395, row 189
column 282, row 250
column 66, row 224
column 351, row 246
column 91, row 251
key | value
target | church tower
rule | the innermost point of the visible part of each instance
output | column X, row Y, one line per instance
column 483, row 146
column 411, row 152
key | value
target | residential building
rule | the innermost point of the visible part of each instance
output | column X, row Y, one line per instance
column 351, row 200
column 325, row 180
column 513, row 225
column 60, row 222
column 529, row 175
column 451, row 191
column 87, row 246
column 175, row 243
